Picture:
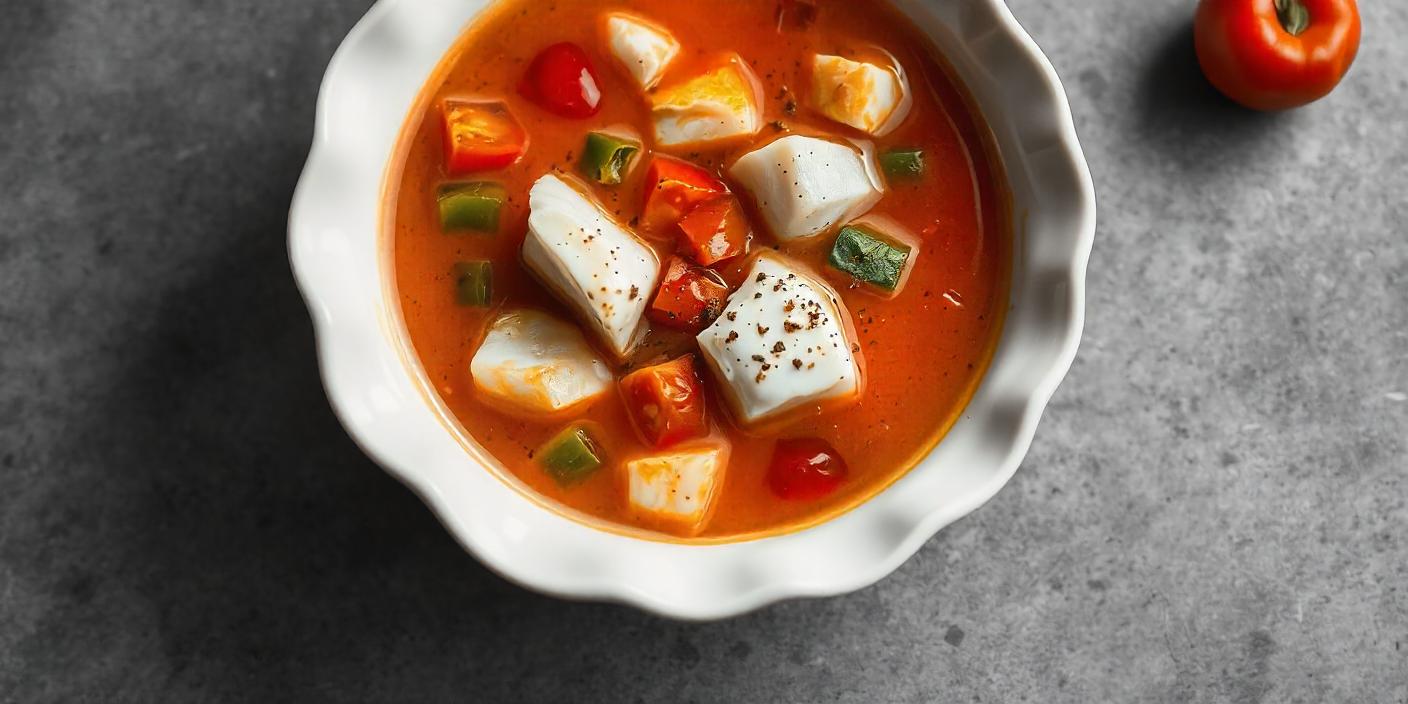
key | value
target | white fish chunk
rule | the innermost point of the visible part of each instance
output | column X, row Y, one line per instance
column 784, row 341
column 537, row 364
column 644, row 49
column 677, row 489
column 868, row 97
column 804, row 186
column 593, row 264
column 721, row 104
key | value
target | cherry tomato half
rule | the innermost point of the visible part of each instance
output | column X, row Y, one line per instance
column 562, row 80
column 1276, row 54
column 666, row 402
column 806, row 469
column 480, row 136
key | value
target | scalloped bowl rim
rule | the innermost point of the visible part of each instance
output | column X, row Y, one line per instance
column 335, row 247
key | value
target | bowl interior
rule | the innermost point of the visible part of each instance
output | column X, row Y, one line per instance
column 373, row 83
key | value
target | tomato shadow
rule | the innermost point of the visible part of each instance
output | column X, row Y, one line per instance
column 1187, row 121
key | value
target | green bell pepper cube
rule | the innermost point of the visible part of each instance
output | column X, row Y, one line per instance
column 904, row 164
column 471, row 207
column 870, row 257
column 474, row 283
column 572, row 456
column 607, row 158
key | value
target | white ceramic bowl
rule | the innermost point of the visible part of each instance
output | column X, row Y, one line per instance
column 379, row 391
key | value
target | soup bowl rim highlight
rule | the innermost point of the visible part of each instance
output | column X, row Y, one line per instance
column 339, row 259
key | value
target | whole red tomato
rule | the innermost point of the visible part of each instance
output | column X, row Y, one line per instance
column 1276, row 54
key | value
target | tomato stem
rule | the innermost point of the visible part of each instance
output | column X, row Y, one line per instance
column 1294, row 16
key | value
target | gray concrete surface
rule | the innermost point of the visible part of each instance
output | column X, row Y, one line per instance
column 1214, row 509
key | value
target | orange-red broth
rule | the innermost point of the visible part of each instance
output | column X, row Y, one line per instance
column 925, row 350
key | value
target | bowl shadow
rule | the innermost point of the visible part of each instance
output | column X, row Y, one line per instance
column 279, row 559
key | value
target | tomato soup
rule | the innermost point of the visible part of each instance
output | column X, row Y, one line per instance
column 699, row 271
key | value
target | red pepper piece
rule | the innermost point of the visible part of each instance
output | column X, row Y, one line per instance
column 666, row 402
column 689, row 298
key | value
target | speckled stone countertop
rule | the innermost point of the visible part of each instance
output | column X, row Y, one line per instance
column 1215, row 508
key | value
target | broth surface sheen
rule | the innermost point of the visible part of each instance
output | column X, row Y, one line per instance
column 925, row 350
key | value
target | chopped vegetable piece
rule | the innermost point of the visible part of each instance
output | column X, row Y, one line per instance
column 672, row 189
column 474, row 283
column 715, row 231
column 869, row 258
column 607, row 158
column 571, row 456
column 480, row 136
column 806, row 469
column 561, row 79
column 471, row 207
column 690, row 298
column 666, row 402
column 905, row 164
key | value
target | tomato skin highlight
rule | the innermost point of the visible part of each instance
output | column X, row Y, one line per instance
column 1248, row 54
column 714, row 231
column 673, row 188
column 562, row 80
column 666, row 402
column 689, row 298
column 480, row 136
column 806, row 469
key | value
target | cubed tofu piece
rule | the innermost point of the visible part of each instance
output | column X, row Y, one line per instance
column 677, row 490
column 536, row 364
column 785, row 341
column 721, row 104
column 868, row 97
column 589, row 261
column 644, row 49
column 805, row 186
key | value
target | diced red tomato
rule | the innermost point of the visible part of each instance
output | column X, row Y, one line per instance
column 806, row 469
column 689, row 298
column 480, row 136
column 714, row 231
column 666, row 402
column 562, row 80
column 672, row 189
